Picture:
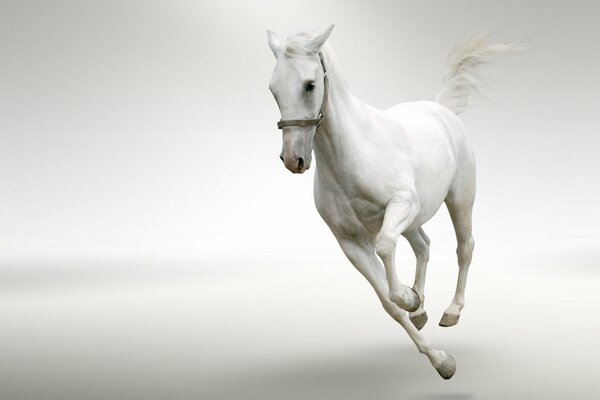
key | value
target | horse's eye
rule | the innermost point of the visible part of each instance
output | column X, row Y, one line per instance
column 309, row 86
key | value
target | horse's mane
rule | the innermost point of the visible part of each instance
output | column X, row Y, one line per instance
column 298, row 43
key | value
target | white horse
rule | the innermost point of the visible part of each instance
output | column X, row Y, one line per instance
column 382, row 174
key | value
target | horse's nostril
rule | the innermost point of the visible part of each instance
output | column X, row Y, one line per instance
column 301, row 163
column 281, row 158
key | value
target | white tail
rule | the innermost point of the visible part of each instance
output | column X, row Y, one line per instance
column 463, row 78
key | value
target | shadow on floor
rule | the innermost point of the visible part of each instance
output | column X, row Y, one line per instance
column 380, row 373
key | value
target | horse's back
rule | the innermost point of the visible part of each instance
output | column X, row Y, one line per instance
column 429, row 122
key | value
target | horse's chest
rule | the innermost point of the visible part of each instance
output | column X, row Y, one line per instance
column 369, row 213
column 349, row 213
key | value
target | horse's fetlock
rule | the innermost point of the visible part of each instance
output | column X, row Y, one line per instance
column 395, row 297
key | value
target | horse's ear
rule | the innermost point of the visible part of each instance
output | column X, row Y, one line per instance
column 320, row 39
column 274, row 42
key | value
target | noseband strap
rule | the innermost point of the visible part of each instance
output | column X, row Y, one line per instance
column 310, row 122
column 297, row 122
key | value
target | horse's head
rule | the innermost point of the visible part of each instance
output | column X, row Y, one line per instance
column 300, row 90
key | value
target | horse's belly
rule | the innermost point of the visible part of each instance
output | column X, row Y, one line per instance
column 432, row 191
column 434, row 173
column 371, row 215
column 427, row 210
column 356, row 213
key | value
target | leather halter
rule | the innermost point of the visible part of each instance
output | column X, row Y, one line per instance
column 309, row 122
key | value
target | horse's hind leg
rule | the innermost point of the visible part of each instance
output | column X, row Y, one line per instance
column 460, row 207
column 420, row 244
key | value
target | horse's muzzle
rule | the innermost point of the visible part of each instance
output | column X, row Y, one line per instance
column 296, row 165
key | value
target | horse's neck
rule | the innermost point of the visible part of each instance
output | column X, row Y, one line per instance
column 337, row 136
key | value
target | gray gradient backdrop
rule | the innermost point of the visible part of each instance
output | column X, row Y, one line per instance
column 153, row 246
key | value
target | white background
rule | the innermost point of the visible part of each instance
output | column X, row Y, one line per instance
column 152, row 241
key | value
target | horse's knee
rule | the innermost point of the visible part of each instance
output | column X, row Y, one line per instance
column 385, row 244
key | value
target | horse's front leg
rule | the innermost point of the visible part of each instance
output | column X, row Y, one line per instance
column 361, row 255
column 400, row 212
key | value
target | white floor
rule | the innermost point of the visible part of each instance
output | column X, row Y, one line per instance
column 264, row 328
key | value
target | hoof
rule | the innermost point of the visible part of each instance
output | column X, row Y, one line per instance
column 419, row 320
column 449, row 320
column 447, row 368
